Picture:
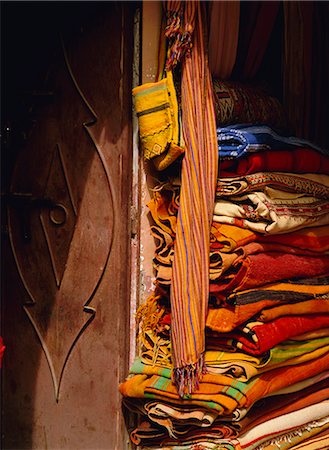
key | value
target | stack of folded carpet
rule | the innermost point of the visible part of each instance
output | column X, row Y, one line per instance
column 267, row 336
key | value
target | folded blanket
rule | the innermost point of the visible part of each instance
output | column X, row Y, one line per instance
column 316, row 185
column 221, row 262
column 321, row 305
column 228, row 238
column 164, row 206
column 297, row 422
column 276, row 405
column 264, row 268
column 237, row 365
column 292, row 352
column 287, row 353
column 320, row 441
column 179, row 423
column 302, row 385
column 197, row 438
column 224, row 239
column 236, row 140
column 272, row 211
column 296, row 160
column 147, row 434
column 192, row 423
column 237, row 308
column 222, row 393
column 256, row 338
column 241, row 365
column 219, row 259
column 268, row 246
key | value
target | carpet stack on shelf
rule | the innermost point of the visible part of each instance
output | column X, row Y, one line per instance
column 267, row 335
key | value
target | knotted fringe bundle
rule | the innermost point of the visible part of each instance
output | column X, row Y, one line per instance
column 179, row 39
column 149, row 314
column 190, row 280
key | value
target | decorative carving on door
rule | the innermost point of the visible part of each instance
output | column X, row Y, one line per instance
column 58, row 222
column 63, row 257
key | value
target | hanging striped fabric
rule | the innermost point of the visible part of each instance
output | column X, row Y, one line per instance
column 190, row 280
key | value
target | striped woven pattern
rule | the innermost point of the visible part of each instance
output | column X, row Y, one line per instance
column 190, row 279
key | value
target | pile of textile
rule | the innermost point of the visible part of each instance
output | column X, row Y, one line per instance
column 266, row 384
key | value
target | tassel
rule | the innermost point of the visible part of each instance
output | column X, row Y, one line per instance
column 180, row 42
column 187, row 378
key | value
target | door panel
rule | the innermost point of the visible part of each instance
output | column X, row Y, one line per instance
column 66, row 293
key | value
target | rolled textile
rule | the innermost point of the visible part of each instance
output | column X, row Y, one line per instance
column 294, row 438
column 145, row 432
column 272, row 211
column 298, row 160
column 274, row 399
column 235, row 141
column 256, row 338
column 316, row 185
column 224, row 319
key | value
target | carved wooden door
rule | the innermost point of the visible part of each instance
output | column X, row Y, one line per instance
column 66, row 260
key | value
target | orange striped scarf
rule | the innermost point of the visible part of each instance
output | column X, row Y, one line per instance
column 190, row 279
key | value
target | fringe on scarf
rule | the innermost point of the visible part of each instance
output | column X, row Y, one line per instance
column 187, row 378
